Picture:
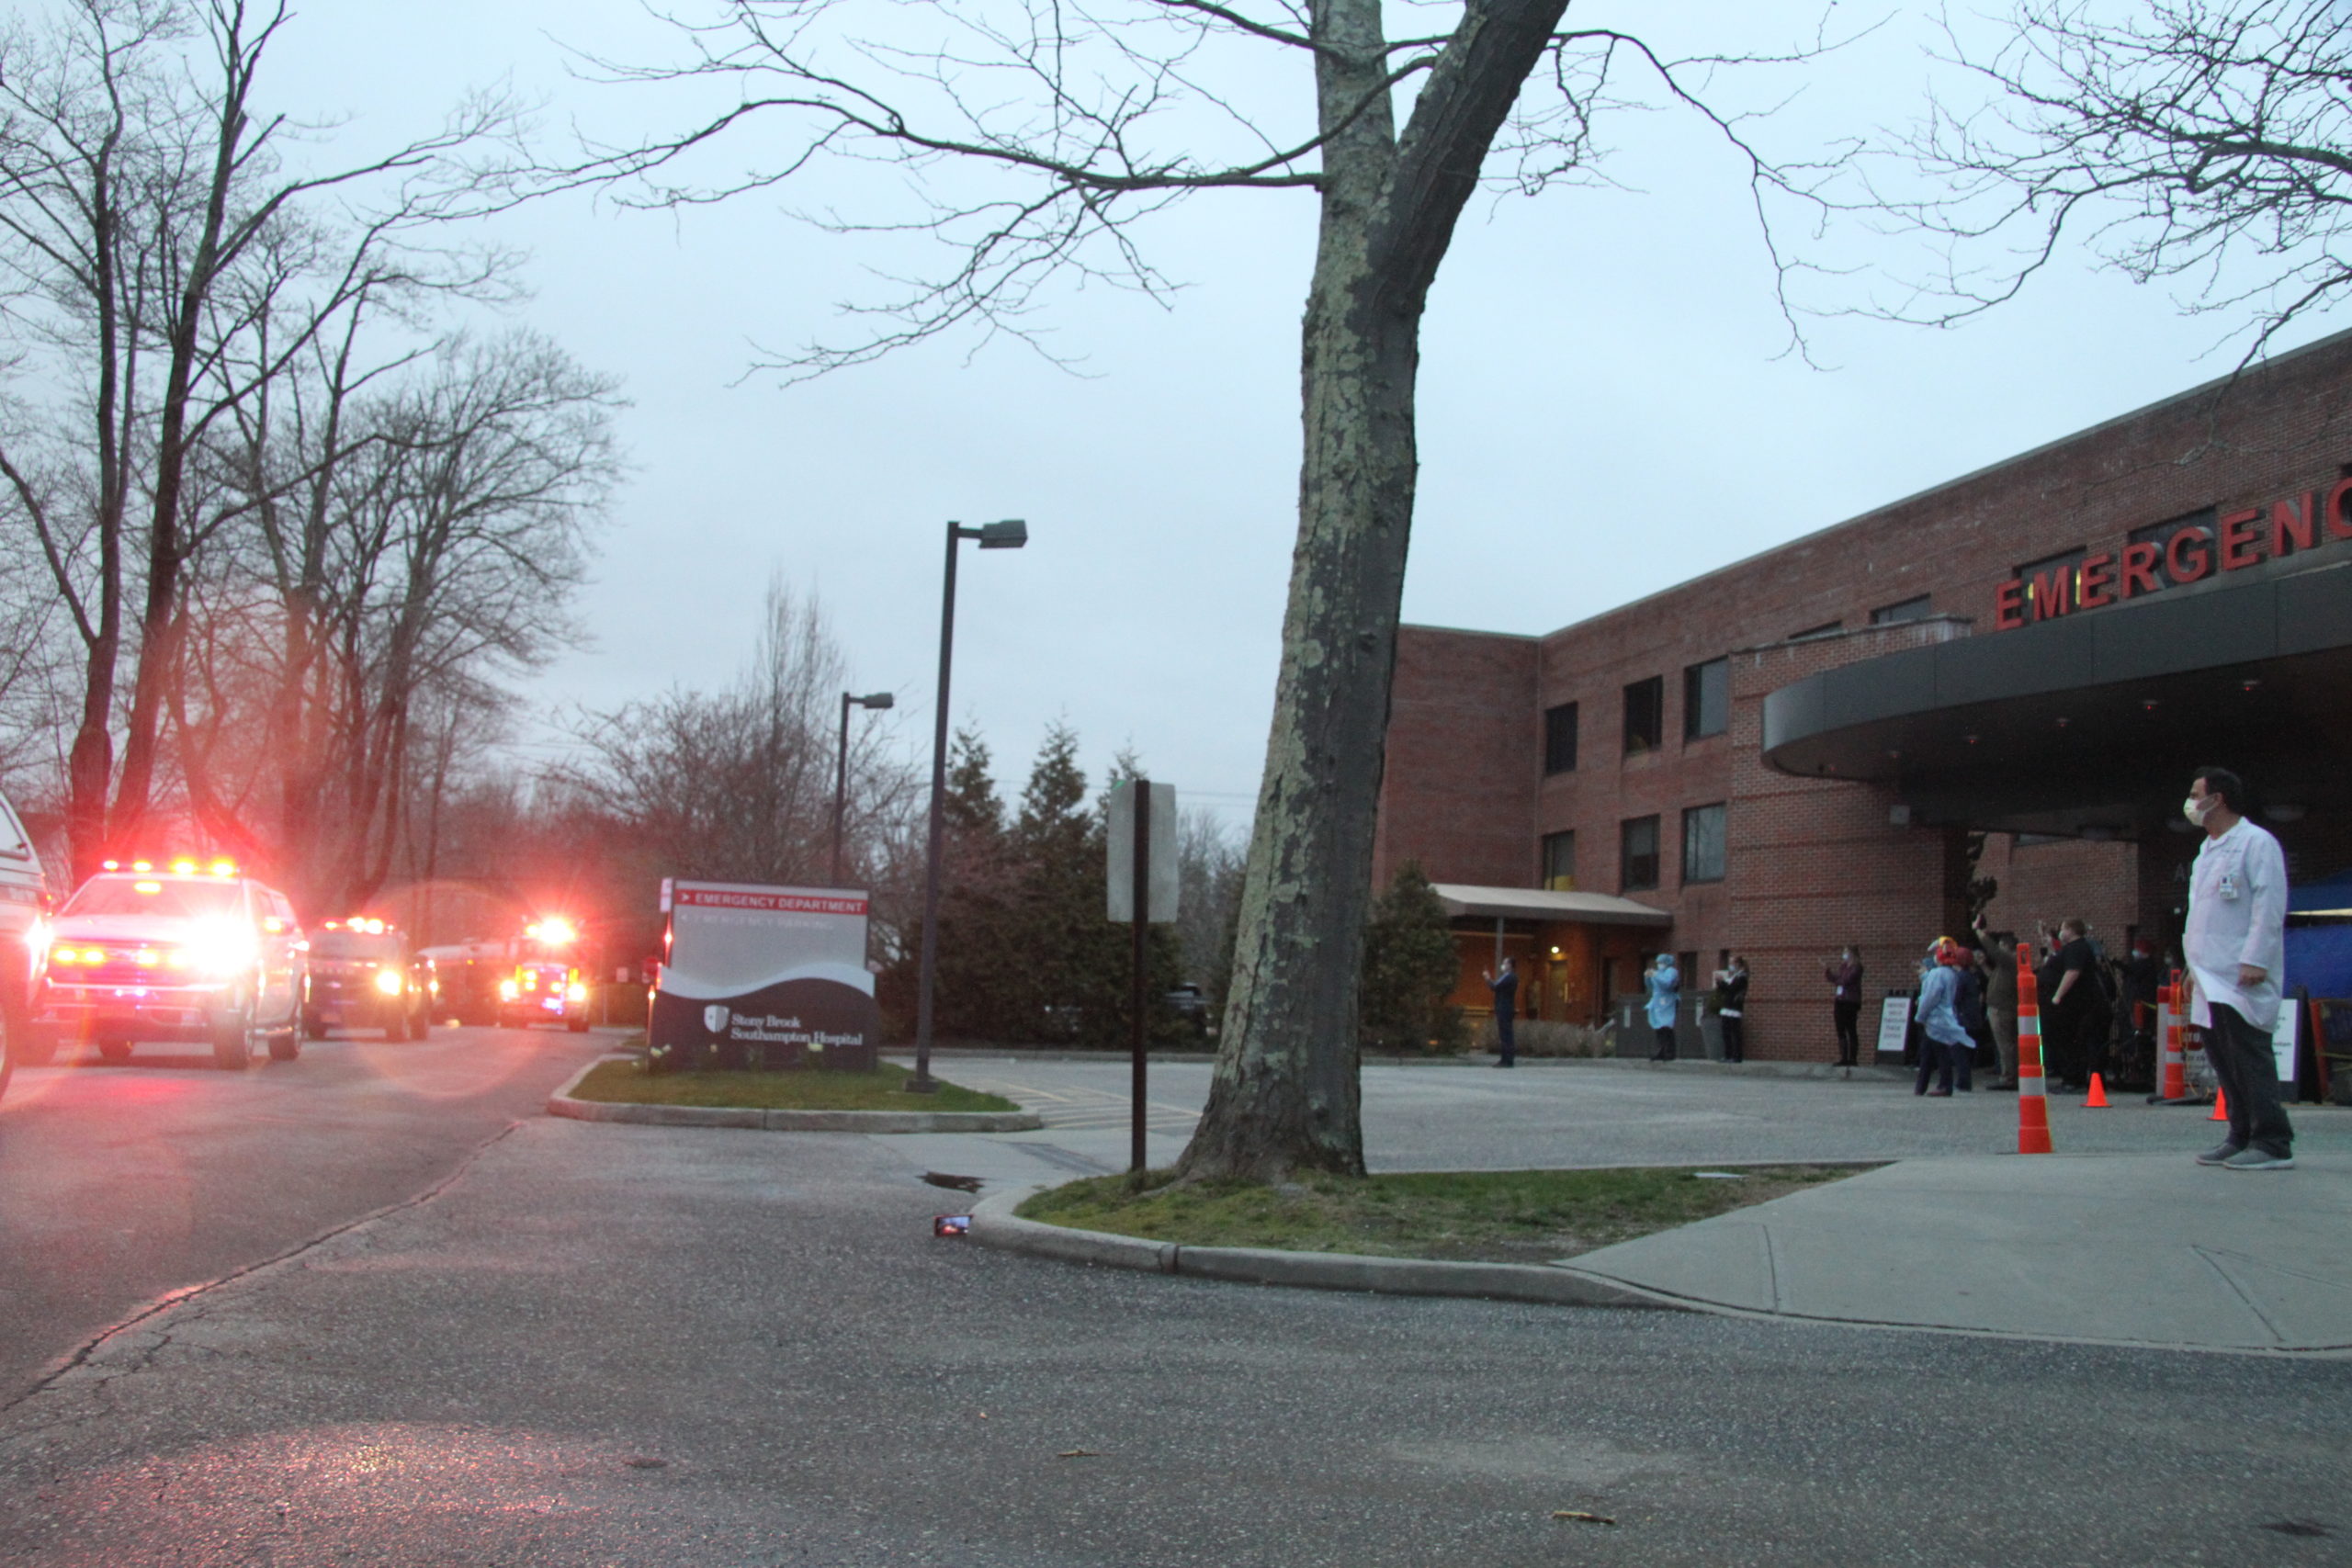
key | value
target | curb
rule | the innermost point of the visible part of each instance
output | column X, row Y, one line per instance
column 561, row 1103
column 994, row 1224
column 1817, row 1071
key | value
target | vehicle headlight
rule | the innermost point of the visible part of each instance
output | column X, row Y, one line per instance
column 389, row 982
column 508, row 990
column 576, row 992
column 220, row 954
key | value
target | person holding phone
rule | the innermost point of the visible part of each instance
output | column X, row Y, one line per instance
column 1844, row 973
column 1665, row 984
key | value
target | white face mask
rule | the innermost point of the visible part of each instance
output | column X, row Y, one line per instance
column 2196, row 808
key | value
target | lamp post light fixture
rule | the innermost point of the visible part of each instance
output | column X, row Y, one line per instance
column 877, row 701
column 1009, row 534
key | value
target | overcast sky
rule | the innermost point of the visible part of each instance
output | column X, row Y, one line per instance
column 1605, row 406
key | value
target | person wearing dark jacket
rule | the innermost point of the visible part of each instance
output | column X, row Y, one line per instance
column 1505, row 988
column 2074, row 1009
column 1844, row 977
column 1731, row 983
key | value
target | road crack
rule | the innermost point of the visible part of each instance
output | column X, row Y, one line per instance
column 81, row 1357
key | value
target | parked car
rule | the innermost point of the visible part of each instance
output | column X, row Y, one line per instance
column 23, row 936
column 193, row 952
column 364, row 976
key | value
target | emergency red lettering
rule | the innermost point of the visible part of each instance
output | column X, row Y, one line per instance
column 2053, row 593
column 2291, row 526
column 2008, row 607
column 2093, row 584
column 2237, row 539
column 2140, row 569
column 2186, row 556
column 2339, row 524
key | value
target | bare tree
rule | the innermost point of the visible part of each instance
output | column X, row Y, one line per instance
column 1068, row 125
column 738, row 784
column 151, row 215
column 439, row 532
column 2205, row 140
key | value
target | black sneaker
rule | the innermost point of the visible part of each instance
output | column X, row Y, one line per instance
column 2221, row 1154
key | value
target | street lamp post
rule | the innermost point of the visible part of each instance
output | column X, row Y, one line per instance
column 1010, row 535
column 876, row 700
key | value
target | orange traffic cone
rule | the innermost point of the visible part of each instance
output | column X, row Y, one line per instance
column 2098, row 1100
column 2034, row 1104
column 2220, row 1107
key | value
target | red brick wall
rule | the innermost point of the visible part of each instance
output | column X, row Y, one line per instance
column 1458, row 791
column 1813, row 863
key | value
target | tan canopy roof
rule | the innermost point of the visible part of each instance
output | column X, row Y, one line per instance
column 1536, row 903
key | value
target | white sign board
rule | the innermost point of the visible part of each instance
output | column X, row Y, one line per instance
column 1894, row 1023
column 1122, row 855
column 764, row 976
column 2284, row 1037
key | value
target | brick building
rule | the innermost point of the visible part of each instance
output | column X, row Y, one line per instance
column 2007, row 676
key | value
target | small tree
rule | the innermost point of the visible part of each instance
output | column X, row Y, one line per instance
column 1409, row 968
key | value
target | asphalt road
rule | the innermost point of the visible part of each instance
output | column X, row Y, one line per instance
column 626, row 1345
column 121, row 1184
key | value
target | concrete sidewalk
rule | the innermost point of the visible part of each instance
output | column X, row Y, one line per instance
column 2120, row 1240
column 2132, row 1249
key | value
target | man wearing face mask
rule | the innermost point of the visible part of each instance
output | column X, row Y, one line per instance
column 2234, row 941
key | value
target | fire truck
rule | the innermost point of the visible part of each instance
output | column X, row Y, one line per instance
column 531, row 978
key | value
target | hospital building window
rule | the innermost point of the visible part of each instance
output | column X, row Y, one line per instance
column 1706, row 699
column 1703, row 843
column 1637, row 855
column 1560, row 863
column 1644, row 715
column 1560, row 740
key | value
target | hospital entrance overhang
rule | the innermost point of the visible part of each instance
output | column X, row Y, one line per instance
column 2089, row 725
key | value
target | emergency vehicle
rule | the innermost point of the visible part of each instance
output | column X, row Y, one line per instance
column 25, row 904
column 527, row 979
column 363, row 977
column 545, row 986
column 188, row 952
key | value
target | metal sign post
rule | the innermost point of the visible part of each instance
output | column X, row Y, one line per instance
column 1140, row 929
column 1142, row 884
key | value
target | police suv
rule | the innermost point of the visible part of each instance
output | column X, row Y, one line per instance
column 24, row 935
column 191, row 952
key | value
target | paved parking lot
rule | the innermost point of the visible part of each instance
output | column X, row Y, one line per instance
column 1446, row 1117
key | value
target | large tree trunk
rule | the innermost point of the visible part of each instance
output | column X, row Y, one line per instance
column 1284, row 1095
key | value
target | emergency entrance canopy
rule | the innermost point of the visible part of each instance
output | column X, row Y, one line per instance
column 761, row 976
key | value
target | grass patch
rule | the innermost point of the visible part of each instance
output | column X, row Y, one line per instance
column 626, row 1083
column 1502, row 1216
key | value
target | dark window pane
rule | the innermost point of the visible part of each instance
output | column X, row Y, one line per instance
column 1560, row 861
column 2160, row 534
column 1706, row 699
column 1646, row 715
column 1917, row 609
column 1637, row 854
column 2053, row 585
column 1703, row 843
column 1560, row 738
column 1824, row 630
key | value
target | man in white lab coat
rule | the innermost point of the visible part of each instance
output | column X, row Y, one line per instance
column 2234, row 943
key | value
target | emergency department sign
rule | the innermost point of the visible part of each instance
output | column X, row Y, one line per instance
column 762, row 976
